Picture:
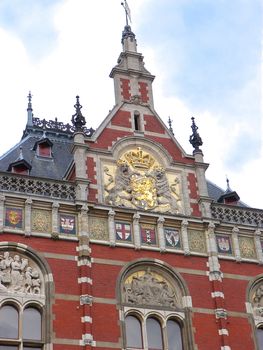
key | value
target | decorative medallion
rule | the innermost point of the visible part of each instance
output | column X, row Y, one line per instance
column 41, row 221
column 18, row 274
column 172, row 237
column 14, row 217
column 148, row 234
column 197, row 242
column 98, row 228
column 67, row 224
column 149, row 288
column 123, row 231
column 224, row 245
column 247, row 247
column 140, row 182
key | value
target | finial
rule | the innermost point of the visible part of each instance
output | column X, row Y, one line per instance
column 77, row 119
column 227, row 185
column 170, row 125
column 195, row 138
column 20, row 157
column 29, row 110
column 127, row 11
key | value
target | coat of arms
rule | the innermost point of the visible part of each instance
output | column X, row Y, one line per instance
column 148, row 234
column 67, row 224
column 14, row 217
column 223, row 244
column 123, row 231
column 172, row 237
column 140, row 182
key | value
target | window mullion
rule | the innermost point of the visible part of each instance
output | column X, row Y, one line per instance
column 144, row 335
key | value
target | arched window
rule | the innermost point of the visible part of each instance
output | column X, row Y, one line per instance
column 154, row 334
column 174, row 335
column 133, row 332
column 20, row 328
column 260, row 338
column 155, row 308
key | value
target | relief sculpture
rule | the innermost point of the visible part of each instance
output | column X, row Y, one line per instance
column 17, row 275
column 140, row 182
column 146, row 289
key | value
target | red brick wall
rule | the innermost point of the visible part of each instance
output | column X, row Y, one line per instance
column 143, row 89
column 122, row 118
column 125, row 88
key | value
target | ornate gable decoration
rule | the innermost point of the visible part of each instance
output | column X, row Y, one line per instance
column 146, row 287
column 138, row 181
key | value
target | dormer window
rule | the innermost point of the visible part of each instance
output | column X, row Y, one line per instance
column 21, row 167
column 43, row 148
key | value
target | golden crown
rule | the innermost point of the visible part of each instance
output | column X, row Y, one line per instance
column 139, row 159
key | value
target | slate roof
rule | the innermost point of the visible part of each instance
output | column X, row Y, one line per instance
column 45, row 167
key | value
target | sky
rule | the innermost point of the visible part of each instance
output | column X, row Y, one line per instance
column 206, row 56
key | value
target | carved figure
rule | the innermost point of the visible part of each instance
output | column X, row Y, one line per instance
column 148, row 290
column 16, row 275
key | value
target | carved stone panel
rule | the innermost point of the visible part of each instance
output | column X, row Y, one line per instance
column 139, row 181
column 257, row 300
column 98, row 228
column 197, row 242
column 146, row 287
column 14, row 218
column 247, row 247
column 41, row 221
column 19, row 274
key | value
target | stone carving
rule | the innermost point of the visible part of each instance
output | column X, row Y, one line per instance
column 98, row 228
column 197, row 242
column 148, row 288
column 22, row 184
column 237, row 215
column 139, row 182
column 247, row 248
column 41, row 221
column 257, row 301
column 18, row 275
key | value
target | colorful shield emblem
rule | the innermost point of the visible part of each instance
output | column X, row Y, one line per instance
column 148, row 234
column 223, row 244
column 67, row 224
column 14, row 218
column 123, row 231
column 172, row 237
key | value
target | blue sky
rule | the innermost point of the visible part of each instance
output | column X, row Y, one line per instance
column 206, row 55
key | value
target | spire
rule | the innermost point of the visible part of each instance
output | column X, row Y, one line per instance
column 20, row 157
column 228, row 189
column 170, row 125
column 77, row 119
column 195, row 138
column 29, row 110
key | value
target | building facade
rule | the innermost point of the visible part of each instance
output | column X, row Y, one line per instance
column 114, row 239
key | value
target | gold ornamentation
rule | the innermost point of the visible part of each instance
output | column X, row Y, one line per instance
column 197, row 242
column 247, row 248
column 41, row 221
column 140, row 182
column 98, row 228
column 139, row 159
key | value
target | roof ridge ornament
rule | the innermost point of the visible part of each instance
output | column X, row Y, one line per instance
column 77, row 119
column 127, row 12
column 195, row 138
column 170, row 125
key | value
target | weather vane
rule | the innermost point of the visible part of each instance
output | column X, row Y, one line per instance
column 127, row 12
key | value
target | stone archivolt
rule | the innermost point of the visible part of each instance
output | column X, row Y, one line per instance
column 149, row 288
column 140, row 182
column 19, row 275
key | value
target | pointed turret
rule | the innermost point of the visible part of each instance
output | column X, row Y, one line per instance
column 132, row 81
column 29, row 110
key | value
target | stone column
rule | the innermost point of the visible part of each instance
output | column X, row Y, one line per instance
column 111, row 225
column 28, row 207
column 184, row 226
column 55, row 207
column 160, row 229
column 235, row 232
column 2, row 211
column 257, row 235
column 136, row 231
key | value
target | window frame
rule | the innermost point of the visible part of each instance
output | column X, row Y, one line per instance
column 20, row 342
